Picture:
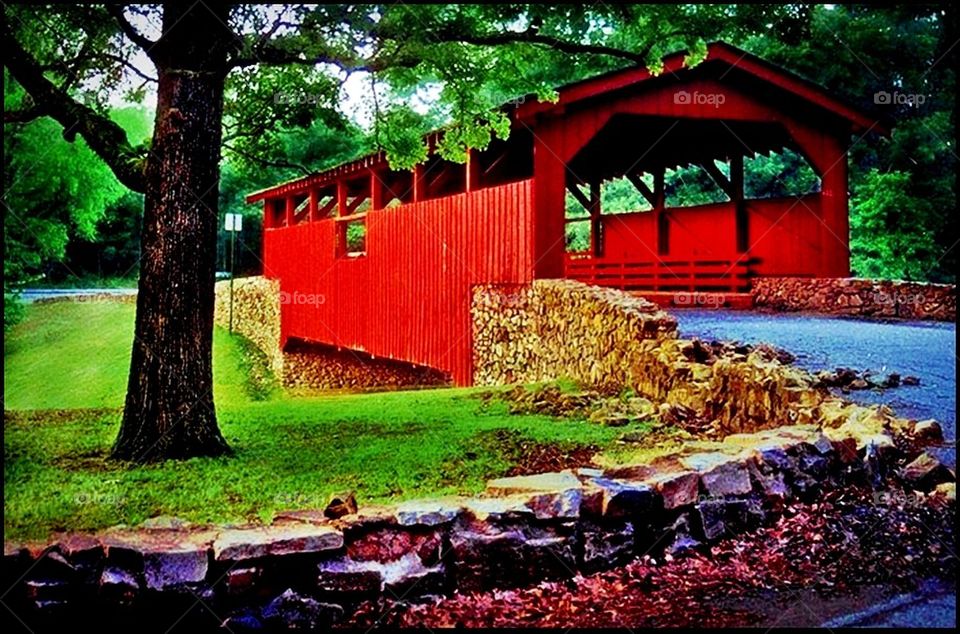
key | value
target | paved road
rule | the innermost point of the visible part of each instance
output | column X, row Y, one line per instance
column 33, row 294
column 924, row 349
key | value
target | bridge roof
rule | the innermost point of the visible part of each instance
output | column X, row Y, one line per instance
column 740, row 63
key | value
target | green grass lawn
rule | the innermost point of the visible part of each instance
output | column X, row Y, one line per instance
column 68, row 355
column 65, row 373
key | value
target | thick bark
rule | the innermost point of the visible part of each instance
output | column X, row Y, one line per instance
column 169, row 410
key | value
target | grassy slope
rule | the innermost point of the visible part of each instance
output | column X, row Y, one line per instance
column 67, row 355
column 290, row 452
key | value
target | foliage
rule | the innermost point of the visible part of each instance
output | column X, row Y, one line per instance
column 889, row 239
column 60, row 194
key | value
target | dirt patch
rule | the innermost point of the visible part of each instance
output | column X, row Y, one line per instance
column 533, row 456
column 95, row 461
column 33, row 417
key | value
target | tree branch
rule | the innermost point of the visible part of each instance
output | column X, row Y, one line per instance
column 107, row 139
column 128, row 29
column 23, row 115
column 268, row 163
column 533, row 36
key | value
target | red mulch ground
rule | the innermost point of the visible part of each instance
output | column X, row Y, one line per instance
column 845, row 542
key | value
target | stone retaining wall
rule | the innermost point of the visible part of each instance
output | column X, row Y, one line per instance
column 857, row 297
column 608, row 339
column 306, row 569
column 256, row 316
column 554, row 328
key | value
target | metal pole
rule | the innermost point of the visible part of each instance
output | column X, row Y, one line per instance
column 232, row 234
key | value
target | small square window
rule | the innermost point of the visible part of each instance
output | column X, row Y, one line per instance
column 352, row 238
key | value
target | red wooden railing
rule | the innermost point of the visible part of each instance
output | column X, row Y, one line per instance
column 664, row 274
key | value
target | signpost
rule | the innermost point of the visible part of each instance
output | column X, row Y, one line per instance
column 233, row 224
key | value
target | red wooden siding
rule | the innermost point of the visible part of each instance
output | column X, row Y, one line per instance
column 785, row 235
column 408, row 298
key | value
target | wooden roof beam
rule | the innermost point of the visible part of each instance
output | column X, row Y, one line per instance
column 580, row 196
column 642, row 188
column 718, row 177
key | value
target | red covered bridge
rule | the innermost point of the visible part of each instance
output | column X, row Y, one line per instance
column 383, row 261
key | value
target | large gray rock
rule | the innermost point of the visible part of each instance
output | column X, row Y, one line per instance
column 548, row 495
column 169, row 568
column 408, row 578
column 484, row 557
column 118, row 585
column 293, row 611
column 345, row 576
column 166, row 557
column 606, row 546
column 676, row 489
column 428, row 512
column 928, row 431
column 721, row 474
column 723, row 518
column 545, row 505
column 611, row 498
column 241, row 544
column 925, row 472
column 556, row 481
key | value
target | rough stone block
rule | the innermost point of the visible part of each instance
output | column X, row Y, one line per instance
column 241, row 544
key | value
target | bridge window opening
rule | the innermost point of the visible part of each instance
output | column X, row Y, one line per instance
column 779, row 175
column 352, row 237
column 276, row 212
column 621, row 195
column 577, row 222
column 326, row 202
column 301, row 208
column 692, row 185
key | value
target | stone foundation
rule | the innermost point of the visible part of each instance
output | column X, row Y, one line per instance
column 561, row 328
column 857, row 297
column 256, row 316
column 318, row 367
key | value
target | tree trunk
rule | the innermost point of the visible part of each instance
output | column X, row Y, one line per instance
column 169, row 411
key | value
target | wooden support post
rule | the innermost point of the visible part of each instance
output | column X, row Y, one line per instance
column 596, row 223
column 661, row 222
column 290, row 210
column 342, row 198
column 836, row 215
column 314, row 213
column 376, row 191
column 419, row 184
column 472, row 171
column 740, row 207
